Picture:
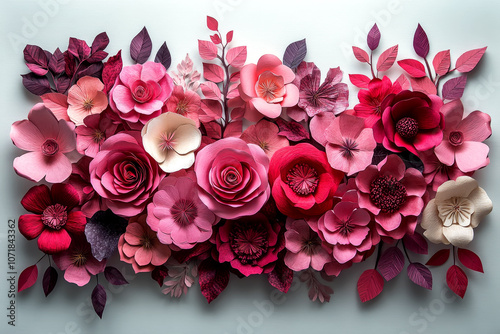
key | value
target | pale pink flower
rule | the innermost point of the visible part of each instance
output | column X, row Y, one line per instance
column 184, row 102
column 436, row 172
column 86, row 98
column 91, row 135
column 265, row 135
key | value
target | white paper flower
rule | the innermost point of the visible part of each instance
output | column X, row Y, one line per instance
column 171, row 140
column 457, row 209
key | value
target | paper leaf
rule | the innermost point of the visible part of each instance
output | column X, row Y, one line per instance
column 56, row 62
column 216, row 39
column 391, row 263
column 292, row 130
column 387, row 58
column 454, row 88
column 233, row 129
column 442, row 62
column 413, row 67
column 424, row 85
column 213, row 278
column 361, row 54
column 163, row 56
column 212, row 110
column 97, row 57
column 467, row 61
column 237, row 113
column 184, row 255
column 457, row 280
column 370, row 285
column 36, row 59
column 439, row 258
column 210, row 90
column 233, row 91
column 421, row 42
column 234, row 77
column 212, row 23
column 79, row 49
column 359, row 80
column 213, row 129
column 207, row 50
column 99, row 300
column 35, row 84
column 237, row 56
column 111, row 70
column 295, row 53
column 158, row 274
column 373, row 37
column 281, row 277
column 470, row 259
column 141, row 46
column 62, row 84
column 100, row 42
column 403, row 82
column 114, row 276
column 27, row 278
column 420, row 275
column 57, row 103
column 229, row 36
column 416, row 243
column 49, row 280
column 212, row 72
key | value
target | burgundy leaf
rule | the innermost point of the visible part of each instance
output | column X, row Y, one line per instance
column 212, row 72
column 111, row 70
column 457, row 280
column 93, row 70
column 49, row 280
column 114, row 276
column 207, row 49
column 237, row 56
column 234, row 129
column 373, row 37
column 439, row 258
column 387, row 58
column 281, row 277
column 359, row 80
column 213, row 129
column 421, row 42
column 78, row 48
column 35, row 84
column 97, row 57
column 454, row 88
column 420, row 275
column 210, row 90
column 361, row 54
column 470, row 259
column 100, row 42
column 391, row 263
column 467, row 61
column 163, row 56
column 184, row 255
column 69, row 63
column 159, row 273
column 216, row 39
column 212, row 110
column 416, row 243
column 35, row 55
column 295, row 53
column 141, row 46
column 229, row 36
column 56, row 62
column 98, row 299
column 62, row 83
column 403, row 82
column 442, row 62
column 212, row 23
column 413, row 67
column 27, row 278
column 424, row 85
column 292, row 130
column 370, row 285
column 213, row 278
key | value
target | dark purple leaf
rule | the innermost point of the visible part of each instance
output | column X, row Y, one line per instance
column 97, row 57
column 421, row 42
column 99, row 299
column 35, row 55
column 454, row 88
column 457, row 280
column 439, row 258
column 114, row 276
column 103, row 231
column 373, row 37
column 416, row 243
column 62, row 84
column 281, row 277
column 93, row 70
column 27, row 278
column 292, row 130
column 111, row 70
column 420, row 275
column 35, row 84
column 295, row 53
column 163, row 56
column 140, row 47
column 70, row 66
column 100, row 42
column 56, row 62
column 79, row 49
column 49, row 280
column 391, row 263
column 213, row 278
column 159, row 273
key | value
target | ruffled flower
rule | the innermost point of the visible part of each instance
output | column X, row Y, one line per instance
column 184, row 102
column 94, row 131
column 86, row 98
column 265, row 135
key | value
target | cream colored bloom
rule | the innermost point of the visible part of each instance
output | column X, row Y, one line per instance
column 457, row 209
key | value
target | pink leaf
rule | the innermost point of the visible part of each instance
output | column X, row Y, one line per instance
column 237, row 56
column 420, row 275
column 442, row 62
column 370, row 285
column 207, row 49
column 454, row 88
column 58, row 104
column 229, row 36
column 233, row 91
column 470, row 260
column 457, row 280
column 111, row 70
column 213, row 278
column 27, row 278
column 439, row 258
column 391, row 263
column 403, row 82
column 213, row 72
column 292, row 130
column 387, row 59
column 281, row 277
column 211, row 90
column 416, row 243
column 212, row 109
column 216, row 39
column 212, row 23
column 99, row 299
column 233, row 129
column 424, row 85
column 237, row 113
column 469, row 60
column 413, row 67
column 141, row 46
column 235, row 76
column 361, row 54
column 213, row 129
column 359, row 80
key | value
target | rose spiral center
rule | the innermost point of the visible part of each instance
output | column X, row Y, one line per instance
column 50, row 147
column 184, row 212
column 248, row 241
column 407, row 127
column 303, row 179
column 142, row 92
column 456, row 138
column 55, row 216
column 387, row 193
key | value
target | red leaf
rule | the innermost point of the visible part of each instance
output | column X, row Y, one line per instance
column 403, row 82
column 216, row 39
column 281, row 277
column 229, row 36
column 141, row 46
column 212, row 23
column 158, row 274
column 234, row 129
column 391, row 263
column 111, row 70
column 184, row 255
column 359, row 80
column 212, row 109
column 442, row 62
column 27, row 278
column 424, row 85
column 214, row 130
column 420, row 275
column 413, row 67
column 292, row 130
column 58, row 104
column 114, row 276
column 416, row 243
column 213, row 72
column 454, row 88
column 469, row 60
column 361, row 54
column 210, row 90
column 387, row 59
column 213, row 278
column 99, row 299
column 370, row 285
column 439, row 258
column 237, row 56
column 49, row 280
column 470, row 259
column 457, row 280
column 207, row 50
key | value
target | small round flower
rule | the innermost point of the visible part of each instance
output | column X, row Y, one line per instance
column 86, row 98
column 265, row 135
column 94, row 131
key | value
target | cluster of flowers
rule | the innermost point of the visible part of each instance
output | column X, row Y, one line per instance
column 266, row 171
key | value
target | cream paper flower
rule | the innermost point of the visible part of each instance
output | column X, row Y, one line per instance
column 171, row 140
column 456, row 210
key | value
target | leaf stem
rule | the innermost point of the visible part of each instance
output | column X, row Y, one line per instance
column 371, row 64
column 406, row 253
column 225, row 88
column 379, row 254
column 454, row 255
column 429, row 69
column 44, row 255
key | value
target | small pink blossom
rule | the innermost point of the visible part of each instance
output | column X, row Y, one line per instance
column 184, row 102
column 436, row 172
column 86, row 98
column 265, row 135
column 93, row 132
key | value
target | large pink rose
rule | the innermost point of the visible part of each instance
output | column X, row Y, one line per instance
column 140, row 92
column 267, row 87
column 124, row 175
column 232, row 176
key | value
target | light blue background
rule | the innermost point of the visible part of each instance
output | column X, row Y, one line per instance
column 265, row 27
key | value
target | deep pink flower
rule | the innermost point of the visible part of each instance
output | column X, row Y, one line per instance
column 186, row 103
column 462, row 142
column 436, row 172
column 266, row 88
column 78, row 263
column 178, row 215
column 91, row 135
column 232, row 177
column 48, row 141
column 140, row 246
column 86, row 98
column 52, row 221
column 265, row 135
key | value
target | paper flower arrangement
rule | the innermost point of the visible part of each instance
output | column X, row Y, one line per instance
column 259, row 169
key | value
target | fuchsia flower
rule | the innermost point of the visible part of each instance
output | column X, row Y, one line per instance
column 86, row 98
column 265, row 135
column 91, row 135
column 48, row 140
column 140, row 246
column 184, row 102
column 463, row 137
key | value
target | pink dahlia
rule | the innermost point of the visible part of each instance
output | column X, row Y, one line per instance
column 436, row 172
column 140, row 246
column 86, row 98
column 184, row 102
column 463, row 138
column 178, row 215
column 93, row 132
column 266, row 88
column 48, row 142
column 265, row 135
column 52, row 221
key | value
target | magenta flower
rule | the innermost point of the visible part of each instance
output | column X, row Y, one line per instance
column 48, row 141
column 462, row 142
column 436, row 172
column 184, row 102
column 91, row 135
column 178, row 215
column 86, row 98
column 265, row 135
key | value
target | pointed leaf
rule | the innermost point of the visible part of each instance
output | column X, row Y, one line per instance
column 114, row 276
column 403, row 82
column 216, row 39
column 56, row 62
column 49, row 280
column 467, row 61
column 35, row 84
column 211, row 90
column 100, row 42
column 424, row 85
column 237, row 56
column 295, row 53
column 158, row 274
column 184, row 255
column 361, row 54
column 416, row 243
column 79, row 49
column 163, row 56
column 97, row 57
column 141, row 46
column 207, row 50
column 213, row 278
column 213, row 129
column 281, row 277
column 387, row 58
column 457, row 280
column 391, row 263
column 212, row 72
column 235, row 76
column 35, row 55
column 420, row 275
column 58, row 104
column 62, row 84
column 237, row 113
column 370, row 285
column 413, row 67
column 111, row 70
column 373, row 37
column 454, row 88
column 212, row 109
column 439, row 258
column 292, row 130
column 470, row 259
column 212, row 23
column 233, row 91
column 442, row 62
column 359, row 80
column 229, row 36
column 234, row 129
column 27, row 278
column 421, row 42
column 99, row 299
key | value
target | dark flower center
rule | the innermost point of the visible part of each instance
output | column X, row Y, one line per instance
column 182, row 107
column 456, row 138
column 55, row 216
column 248, row 241
column 387, row 193
column 407, row 127
column 98, row 136
column 79, row 259
column 184, row 212
column 303, row 179
column 88, row 104
column 50, row 147
column 348, row 147
column 310, row 246
column 146, row 242
column 346, row 228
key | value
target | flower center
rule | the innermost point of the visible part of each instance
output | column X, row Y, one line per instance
column 231, row 176
column 79, row 259
column 88, row 104
column 387, row 193
column 309, row 246
column 248, row 241
column 348, row 147
column 270, row 87
column 456, row 210
column 167, row 141
column 303, row 179
column 142, row 92
column 184, row 212
column 264, row 146
column 146, row 242
column 98, row 136
column 182, row 107
column 50, row 147
column 55, row 216
column 346, row 228
column 456, row 138
column 407, row 127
